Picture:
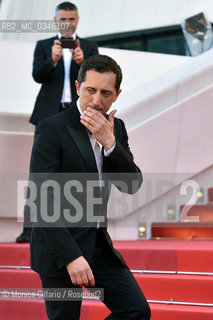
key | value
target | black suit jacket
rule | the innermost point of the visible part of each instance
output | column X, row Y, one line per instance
column 52, row 78
column 62, row 146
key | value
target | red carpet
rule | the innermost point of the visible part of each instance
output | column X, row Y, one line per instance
column 28, row 310
column 197, row 288
column 166, row 255
column 174, row 255
column 13, row 254
column 160, row 312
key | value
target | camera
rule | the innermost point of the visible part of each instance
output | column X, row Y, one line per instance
column 68, row 43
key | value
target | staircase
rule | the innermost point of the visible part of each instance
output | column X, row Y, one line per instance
column 175, row 276
column 202, row 229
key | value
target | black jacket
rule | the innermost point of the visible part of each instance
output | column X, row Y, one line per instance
column 62, row 147
column 52, row 78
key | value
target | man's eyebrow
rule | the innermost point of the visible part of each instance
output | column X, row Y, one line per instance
column 107, row 90
column 102, row 90
column 89, row 87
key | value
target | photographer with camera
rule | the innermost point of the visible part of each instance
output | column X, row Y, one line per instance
column 56, row 64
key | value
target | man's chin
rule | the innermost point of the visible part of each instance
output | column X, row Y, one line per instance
column 67, row 34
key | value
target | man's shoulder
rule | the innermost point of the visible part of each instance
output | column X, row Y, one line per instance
column 58, row 119
column 119, row 126
column 118, row 122
column 47, row 41
column 53, row 121
column 87, row 42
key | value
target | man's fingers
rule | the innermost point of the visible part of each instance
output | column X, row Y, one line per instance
column 77, row 53
column 80, row 272
column 74, row 281
column 79, row 281
column 77, row 49
column 77, row 43
column 88, row 119
column 56, row 51
column 93, row 115
column 94, row 121
column 111, row 116
column 85, row 279
column 91, row 278
column 57, row 42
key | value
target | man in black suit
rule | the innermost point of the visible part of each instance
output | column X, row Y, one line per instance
column 57, row 69
column 81, row 145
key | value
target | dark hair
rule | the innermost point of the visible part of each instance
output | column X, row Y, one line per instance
column 102, row 64
column 67, row 6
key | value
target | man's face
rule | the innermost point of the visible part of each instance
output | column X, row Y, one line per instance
column 97, row 91
column 68, row 21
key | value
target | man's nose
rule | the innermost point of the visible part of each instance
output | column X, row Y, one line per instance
column 97, row 99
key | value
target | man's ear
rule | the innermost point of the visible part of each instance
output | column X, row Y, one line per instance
column 77, row 87
column 119, row 91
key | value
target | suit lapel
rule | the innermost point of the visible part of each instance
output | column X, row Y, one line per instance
column 80, row 136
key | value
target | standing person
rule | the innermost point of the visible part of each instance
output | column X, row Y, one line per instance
column 57, row 69
column 77, row 255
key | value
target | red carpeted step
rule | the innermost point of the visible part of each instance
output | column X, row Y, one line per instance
column 178, row 312
column 91, row 310
column 98, row 311
column 210, row 194
column 203, row 211
column 14, row 254
column 148, row 254
column 16, row 278
column 34, row 310
column 177, row 287
column 183, row 230
column 175, row 255
column 197, row 259
column 188, row 288
column 22, row 310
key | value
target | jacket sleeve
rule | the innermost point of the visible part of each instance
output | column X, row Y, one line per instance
column 44, row 165
column 89, row 48
column 94, row 49
column 42, row 63
column 120, row 163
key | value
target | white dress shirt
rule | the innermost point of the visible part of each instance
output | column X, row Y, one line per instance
column 97, row 149
column 67, row 57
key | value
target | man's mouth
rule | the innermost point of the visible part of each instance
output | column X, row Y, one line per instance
column 98, row 108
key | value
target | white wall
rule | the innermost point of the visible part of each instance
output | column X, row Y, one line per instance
column 19, row 90
column 104, row 17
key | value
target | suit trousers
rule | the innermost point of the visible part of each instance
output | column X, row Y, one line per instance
column 122, row 295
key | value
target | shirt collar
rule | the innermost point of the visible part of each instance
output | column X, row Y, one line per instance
column 73, row 36
column 78, row 106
